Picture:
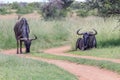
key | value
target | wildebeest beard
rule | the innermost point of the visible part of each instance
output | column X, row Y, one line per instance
column 86, row 39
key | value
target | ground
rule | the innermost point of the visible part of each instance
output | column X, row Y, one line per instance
column 83, row 72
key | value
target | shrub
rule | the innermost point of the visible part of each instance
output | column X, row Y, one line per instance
column 82, row 13
column 55, row 9
column 53, row 13
column 25, row 10
column 15, row 5
column 3, row 10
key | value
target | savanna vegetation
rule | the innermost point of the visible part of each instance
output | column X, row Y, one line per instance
column 57, row 26
column 56, row 33
column 63, row 31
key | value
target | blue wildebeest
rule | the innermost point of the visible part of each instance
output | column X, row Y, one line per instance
column 22, row 31
column 88, row 40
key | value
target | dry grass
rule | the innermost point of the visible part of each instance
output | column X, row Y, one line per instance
column 34, row 15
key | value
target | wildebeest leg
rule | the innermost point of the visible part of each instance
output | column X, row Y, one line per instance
column 77, row 44
column 20, row 46
column 95, row 43
column 17, row 47
column 83, row 48
column 81, row 45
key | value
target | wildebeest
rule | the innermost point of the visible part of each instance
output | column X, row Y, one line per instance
column 22, row 31
column 88, row 40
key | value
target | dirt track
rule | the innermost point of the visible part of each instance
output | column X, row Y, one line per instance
column 83, row 72
column 60, row 50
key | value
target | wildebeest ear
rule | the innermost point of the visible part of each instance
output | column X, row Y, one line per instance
column 23, row 39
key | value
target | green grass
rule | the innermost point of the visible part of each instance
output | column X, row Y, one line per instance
column 15, row 68
column 111, row 52
column 99, row 63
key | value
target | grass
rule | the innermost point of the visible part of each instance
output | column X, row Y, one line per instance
column 60, row 32
column 111, row 52
column 15, row 68
column 50, row 34
column 99, row 63
column 106, row 37
column 56, row 33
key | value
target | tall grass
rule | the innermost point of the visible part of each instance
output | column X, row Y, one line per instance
column 50, row 33
column 7, row 38
column 60, row 32
column 106, row 37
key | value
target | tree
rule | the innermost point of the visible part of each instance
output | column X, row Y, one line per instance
column 67, row 3
column 15, row 5
column 106, row 7
column 55, row 8
column 35, row 5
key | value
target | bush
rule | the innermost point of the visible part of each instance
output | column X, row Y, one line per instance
column 15, row 5
column 25, row 10
column 82, row 13
column 55, row 9
column 53, row 13
column 3, row 11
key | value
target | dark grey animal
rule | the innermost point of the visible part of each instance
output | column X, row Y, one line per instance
column 88, row 40
column 22, row 31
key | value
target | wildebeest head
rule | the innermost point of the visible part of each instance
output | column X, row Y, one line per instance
column 86, row 38
column 27, row 43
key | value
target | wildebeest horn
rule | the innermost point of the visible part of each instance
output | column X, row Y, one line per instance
column 95, row 32
column 19, row 16
column 78, row 32
column 34, row 38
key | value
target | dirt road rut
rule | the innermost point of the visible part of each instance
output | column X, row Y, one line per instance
column 83, row 72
